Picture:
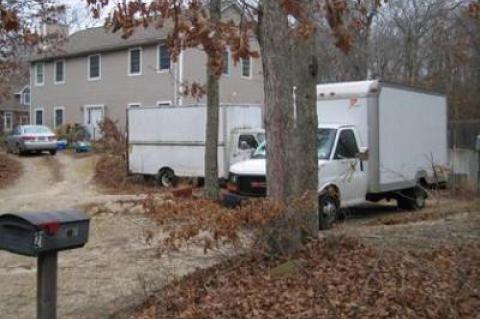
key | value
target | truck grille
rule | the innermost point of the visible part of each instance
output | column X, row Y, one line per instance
column 252, row 185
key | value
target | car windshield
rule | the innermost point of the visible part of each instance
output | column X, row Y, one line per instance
column 37, row 130
column 325, row 140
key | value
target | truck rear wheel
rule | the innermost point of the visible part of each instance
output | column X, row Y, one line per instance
column 166, row 178
column 412, row 199
column 328, row 211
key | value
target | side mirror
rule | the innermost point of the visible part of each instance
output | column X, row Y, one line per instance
column 363, row 154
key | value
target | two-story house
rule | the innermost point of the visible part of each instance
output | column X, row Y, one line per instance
column 96, row 73
column 14, row 105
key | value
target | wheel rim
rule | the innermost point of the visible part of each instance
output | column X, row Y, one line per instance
column 420, row 200
column 329, row 211
column 166, row 179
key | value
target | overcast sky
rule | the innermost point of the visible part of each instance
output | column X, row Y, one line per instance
column 78, row 16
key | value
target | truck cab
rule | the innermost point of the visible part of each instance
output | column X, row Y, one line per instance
column 243, row 143
column 340, row 161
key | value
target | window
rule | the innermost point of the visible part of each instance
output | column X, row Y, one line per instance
column 59, row 67
column 246, row 142
column 246, row 68
column 94, row 67
column 133, row 105
column 58, row 116
column 38, row 116
column 135, row 61
column 39, row 75
column 26, row 96
column 164, row 103
column 347, row 145
column 325, row 142
column 8, row 121
column 163, row 58
column 226, row 62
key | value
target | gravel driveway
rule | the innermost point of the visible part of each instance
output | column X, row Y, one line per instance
column 117, row 266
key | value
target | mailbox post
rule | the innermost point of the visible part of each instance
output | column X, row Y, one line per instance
column 43, row 235
column 47, row 264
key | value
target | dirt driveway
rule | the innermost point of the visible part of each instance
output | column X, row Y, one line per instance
column 117, row 266
column 120, row 263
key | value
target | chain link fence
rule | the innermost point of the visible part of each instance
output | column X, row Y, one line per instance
column 464, row 159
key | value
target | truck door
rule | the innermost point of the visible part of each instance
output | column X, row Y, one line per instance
column 244, row 145
column 353, row 177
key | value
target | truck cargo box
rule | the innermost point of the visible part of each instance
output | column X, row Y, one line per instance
column 173, row 137
column 404, row 128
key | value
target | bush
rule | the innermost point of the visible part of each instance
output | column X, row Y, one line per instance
column 112, row 140
column 111, row 168
column 3, row 140
column 72, row 133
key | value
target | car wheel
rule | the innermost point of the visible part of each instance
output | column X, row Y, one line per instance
column 53, row 152
column 328, row 211
column 18, row 150
column 166, row 178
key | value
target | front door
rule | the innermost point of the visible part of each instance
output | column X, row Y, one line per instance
column 350, row 172
column 93, row 116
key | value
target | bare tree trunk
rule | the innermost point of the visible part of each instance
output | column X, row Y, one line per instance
column 305, row 133
column 212, row 187
column 290, row 129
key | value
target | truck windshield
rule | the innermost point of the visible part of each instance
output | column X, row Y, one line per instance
column 325, row 140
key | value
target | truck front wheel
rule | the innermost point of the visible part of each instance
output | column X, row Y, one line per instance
column 412, row 199
column 166, row 178
column 328, row 211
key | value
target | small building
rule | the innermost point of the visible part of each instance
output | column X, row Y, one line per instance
column 14, row 105
column 97, row 74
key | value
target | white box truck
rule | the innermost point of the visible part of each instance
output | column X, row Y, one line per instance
column 169, row 141
column 376, row 140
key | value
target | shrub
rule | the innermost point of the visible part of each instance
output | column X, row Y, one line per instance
column 3, row 140
column 72, row 133
column 112, row 140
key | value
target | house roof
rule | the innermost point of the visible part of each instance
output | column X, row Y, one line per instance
column 99, row 39
column 8, row 101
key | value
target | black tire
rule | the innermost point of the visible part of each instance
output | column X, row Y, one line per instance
column 412, row 199
column 53, row 152
column 166, row 178
column 19, row 150
column 328, row 211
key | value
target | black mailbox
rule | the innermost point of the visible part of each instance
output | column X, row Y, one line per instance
column 31, row 234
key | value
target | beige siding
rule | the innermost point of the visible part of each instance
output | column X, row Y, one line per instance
column 116, row 89
column 233, row 87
